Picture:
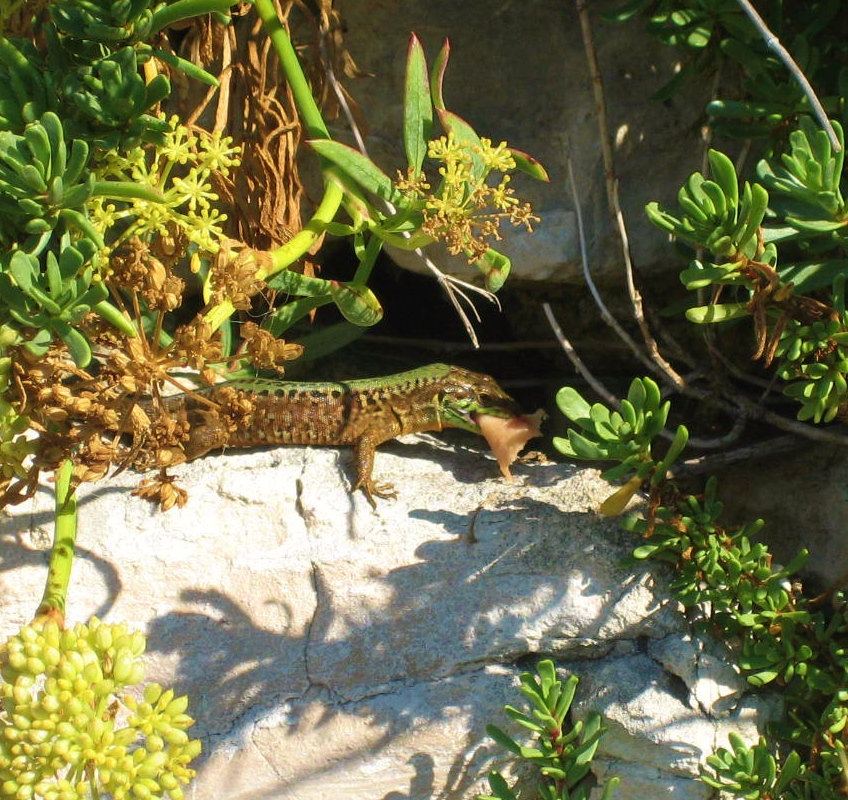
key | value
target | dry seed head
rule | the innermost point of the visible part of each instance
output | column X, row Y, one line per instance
column 192, row 344
column 162, row 490
column 265, row 350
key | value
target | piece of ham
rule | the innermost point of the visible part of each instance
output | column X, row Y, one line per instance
column 508, row 435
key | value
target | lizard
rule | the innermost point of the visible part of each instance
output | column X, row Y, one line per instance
column 363, row 413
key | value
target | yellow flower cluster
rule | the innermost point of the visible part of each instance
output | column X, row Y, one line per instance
column 59, row 712
column 180, row 171
column 467, row 209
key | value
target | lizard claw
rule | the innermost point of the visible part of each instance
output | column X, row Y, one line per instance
column 384, row 491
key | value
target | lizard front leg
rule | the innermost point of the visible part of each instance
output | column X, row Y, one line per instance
column 364, row 449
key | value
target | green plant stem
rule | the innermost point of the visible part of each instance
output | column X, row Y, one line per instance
column 126, row 190
column 283, row 257
column 301, row 90
column 300, row 243
column 372, row 250
column 64, row 543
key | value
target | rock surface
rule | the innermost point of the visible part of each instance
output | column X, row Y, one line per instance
column 330, row 650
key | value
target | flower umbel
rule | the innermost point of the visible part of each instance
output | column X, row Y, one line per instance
column 468, row 207
column 66, row 729
column 181, row 170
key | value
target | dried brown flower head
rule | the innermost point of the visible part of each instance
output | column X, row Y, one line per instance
column 162, row 490
column 265, row 350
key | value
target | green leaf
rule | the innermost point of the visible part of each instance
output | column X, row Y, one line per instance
column 357, row 303
column 566, row 698
column 114, row 317
column 578, row 446
column 286, row 315
column 529, row 165
column 609, row 788
column 762, row 677
column 816, row 225
column 500, row 787
column 54, row 276
column 571, row 403
column 76, row 343
column 681, row 437
column 718, row 312
column 636, row 395
column 788, row 772
column 724, row 174
column 507, row 742
column 547, row 674
column 181, row 64
column 417, row 110
column 653, row 396
column 437, row 76
column 700, row 275
column 754, row 211
column 167, row 14
column 23, row 268
column 358, row 167
column 662, row 218
column 796, row 564
column 522, row 719
column 496, row 267
column 627, row 11
column 647, row 550
column 40, row 343
column 295, row 283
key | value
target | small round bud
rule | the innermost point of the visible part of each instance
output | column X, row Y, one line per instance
column 152, row 692
column 35, row 666
column 122, row 665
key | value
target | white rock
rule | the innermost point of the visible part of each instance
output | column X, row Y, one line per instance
column 332, row 650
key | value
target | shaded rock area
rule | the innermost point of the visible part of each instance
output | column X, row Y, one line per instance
column 331, row 650
column 801, row 495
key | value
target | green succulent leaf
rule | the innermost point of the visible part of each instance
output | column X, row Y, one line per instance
column 718, row 312
column 530, row 166
column 681, row 437
column 418, row 109
column 496, row 268
column 577, row 446
column 500, row 788
column 357, row 303
column 360, row 169
column 571, row 403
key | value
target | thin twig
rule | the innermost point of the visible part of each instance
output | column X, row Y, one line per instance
column 636, row 297
column 575, row 359
column 612, row 196
column 606, row 315
column 720, row 442
column 791, row 425
column 773, row 43
column 710, row 464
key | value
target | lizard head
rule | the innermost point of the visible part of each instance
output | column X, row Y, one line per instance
column 465, row 395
